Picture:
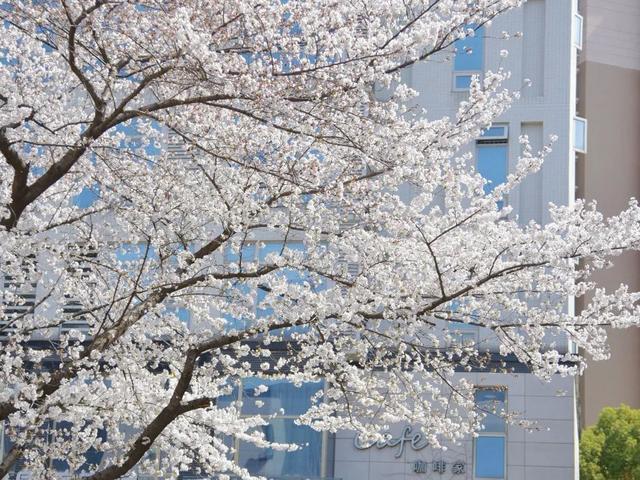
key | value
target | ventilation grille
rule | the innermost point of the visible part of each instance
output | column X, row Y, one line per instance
column 18, row 296
column 81, row 268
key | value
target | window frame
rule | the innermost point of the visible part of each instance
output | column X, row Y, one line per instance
column 505, row 136
column 503, row 434
column 461, row 71
column 324, row 435
column 576, row 120
column 578, row 31
column 464, row 73
column 492, row 141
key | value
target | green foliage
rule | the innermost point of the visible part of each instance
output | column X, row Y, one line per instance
column 610, row 450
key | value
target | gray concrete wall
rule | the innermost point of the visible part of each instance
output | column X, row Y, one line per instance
column 544, row 452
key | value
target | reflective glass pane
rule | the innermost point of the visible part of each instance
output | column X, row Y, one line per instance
column 580, row 136
column 280, row 395
column 226, row 400
column 180, row 313
column 470, row 51
column 463, row 82
column 293, row 276
column 276, row 247
column 577, row 30
column 266, row 250
column 489, row 457
column 304, row 462
column 495, row 131
column 492, row 403
column 492, row 164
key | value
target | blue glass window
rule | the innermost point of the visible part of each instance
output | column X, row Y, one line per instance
column 57, row 432
column 461, row 333
column 580, row 134
column 304, row 462
column 489, row 451
column 462, row 82
column 578, row 23
column 292, row 276
column 499, row 131
column 179, row 312
column 131, row 256
column 492, row 164
column 247, row 254
column 470, row 52
column 286, row 401
column 134, row 252
column 226, row 400
column 489, row 457
column 281, row 395
column 492, row 403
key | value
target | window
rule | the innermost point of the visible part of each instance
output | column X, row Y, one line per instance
column 496, row 132
column 489, row 452
column 286, row 402
column 577, row 31
column 580, row 134
column 18, row 294
column 462, row 81
column 492, row 157
column 469, row 58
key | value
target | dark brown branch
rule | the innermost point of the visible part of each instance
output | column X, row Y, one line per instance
column 154, row 429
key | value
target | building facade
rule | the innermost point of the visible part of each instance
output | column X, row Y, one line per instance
column 543, row 67
column 609, row 172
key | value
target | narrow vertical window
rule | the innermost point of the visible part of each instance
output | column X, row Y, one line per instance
column 577, row 31
column 492, row 157
column 580, row 134
column 469, row 59
column 490, row 446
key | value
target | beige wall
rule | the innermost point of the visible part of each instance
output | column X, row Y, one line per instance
column 610, row 173
column 612, row 32
column 609, row 97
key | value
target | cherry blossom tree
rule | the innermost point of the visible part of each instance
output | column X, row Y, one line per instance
column 149, row 152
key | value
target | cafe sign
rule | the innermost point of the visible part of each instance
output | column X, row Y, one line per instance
column 415, row 441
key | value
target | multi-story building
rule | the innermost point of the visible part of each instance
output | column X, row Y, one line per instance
column 609, row 172
column 543, row 65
